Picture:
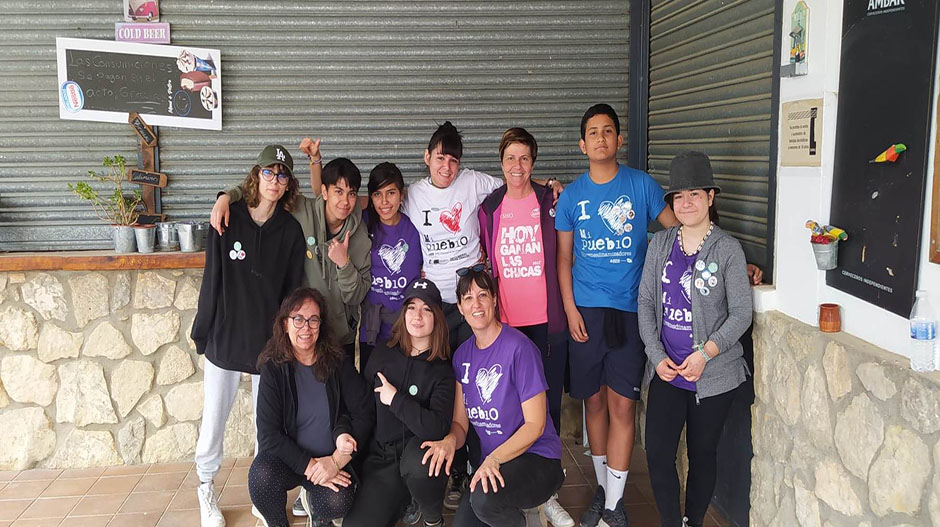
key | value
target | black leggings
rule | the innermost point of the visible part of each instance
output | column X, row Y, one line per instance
column 668, row 410
column 269, row 479
column 554, row 361
column 390, row 477
column 530, row 480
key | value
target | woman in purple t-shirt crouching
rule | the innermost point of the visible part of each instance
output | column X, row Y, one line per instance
column 501, row 392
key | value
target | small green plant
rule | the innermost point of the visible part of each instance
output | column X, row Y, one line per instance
column 115, row 208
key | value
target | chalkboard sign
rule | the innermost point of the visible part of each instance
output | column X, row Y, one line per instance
column 142, row 177
column 885, row 92
column 101, row 80
column 144, row 131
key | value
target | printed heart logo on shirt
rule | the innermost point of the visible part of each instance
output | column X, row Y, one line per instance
column 450, row 219
column 487, row 381
column 393, row 257
column 686, row 282
column 614, row 214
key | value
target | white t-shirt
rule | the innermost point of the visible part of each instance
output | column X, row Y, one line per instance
column 446, row 219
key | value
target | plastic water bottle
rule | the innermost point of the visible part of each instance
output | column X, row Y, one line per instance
column 923, row 334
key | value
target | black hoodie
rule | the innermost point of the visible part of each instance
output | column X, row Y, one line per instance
column 424, row 404
column 249, row 270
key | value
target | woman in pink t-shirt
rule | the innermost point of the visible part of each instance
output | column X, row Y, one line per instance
column 517, row 226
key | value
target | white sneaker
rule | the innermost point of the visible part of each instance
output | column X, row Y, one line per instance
column 257, row 514
column 209, row 513
column 556, row 514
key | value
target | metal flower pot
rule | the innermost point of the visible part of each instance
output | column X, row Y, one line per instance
column 146, row 235
column 167, row 238
column 124, row 238
column 192, row 235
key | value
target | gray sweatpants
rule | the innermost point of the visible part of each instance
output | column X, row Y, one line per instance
column 219, row 390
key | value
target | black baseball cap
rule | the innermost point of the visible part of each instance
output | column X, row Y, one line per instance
column 425, row 290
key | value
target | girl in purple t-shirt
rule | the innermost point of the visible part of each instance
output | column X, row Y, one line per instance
column 396, row 257
column 501, row 393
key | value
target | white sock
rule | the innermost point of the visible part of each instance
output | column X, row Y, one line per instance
column 616, row 480
column 600, row 470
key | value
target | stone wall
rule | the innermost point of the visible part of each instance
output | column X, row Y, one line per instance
column 844, row 433
column 97, row 368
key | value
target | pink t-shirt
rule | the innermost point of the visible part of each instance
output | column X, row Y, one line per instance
column 520, row 263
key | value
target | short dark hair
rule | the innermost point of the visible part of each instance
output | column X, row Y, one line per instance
column 382, row 175
column 521, row 136
column 341, row 168
column 482, row 279
column 712, row 209
column 449, row 138
column 600, row 109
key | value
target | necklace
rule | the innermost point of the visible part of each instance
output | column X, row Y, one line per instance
column 699, row 248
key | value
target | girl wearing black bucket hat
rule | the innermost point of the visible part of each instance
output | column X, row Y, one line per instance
column 694, row 304
column 414, row 402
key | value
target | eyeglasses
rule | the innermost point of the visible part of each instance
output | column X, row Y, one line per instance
column 269, row 175
column 299, row 321
column 475, row 268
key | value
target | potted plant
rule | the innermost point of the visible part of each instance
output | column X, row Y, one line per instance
column 114, row 207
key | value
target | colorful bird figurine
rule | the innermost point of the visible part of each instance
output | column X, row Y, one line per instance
column 891, row 154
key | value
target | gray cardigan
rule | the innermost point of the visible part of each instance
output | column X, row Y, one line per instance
column 722, row 316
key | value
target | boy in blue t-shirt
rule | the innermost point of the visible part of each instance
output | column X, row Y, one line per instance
column 602, row 219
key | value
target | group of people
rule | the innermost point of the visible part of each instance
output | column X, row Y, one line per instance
column 474, row 302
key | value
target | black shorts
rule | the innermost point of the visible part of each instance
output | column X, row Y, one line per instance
column 594, row 363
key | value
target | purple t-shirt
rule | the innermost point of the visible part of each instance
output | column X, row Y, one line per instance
column 396, row 261
column 495, row 382
column 677, row 310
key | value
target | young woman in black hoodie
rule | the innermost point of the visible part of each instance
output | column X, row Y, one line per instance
column 414, row 399
column 249, row 270
column 313, row 411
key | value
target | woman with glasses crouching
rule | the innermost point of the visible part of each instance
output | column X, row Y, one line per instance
column 314, row 409
column 501, row 393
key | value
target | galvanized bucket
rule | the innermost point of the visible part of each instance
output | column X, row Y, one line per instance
column 145, row 238
column 192, row 235
column 827, row 255
column 167, row 238
column 123, row 236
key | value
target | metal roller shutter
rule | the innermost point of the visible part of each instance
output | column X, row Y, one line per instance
column 372, row 78
column 711, row 74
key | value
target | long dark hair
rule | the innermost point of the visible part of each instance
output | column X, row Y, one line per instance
column 382, row 175
column 279, row 349
column 440, row 343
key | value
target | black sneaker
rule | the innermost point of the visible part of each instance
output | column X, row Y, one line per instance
column 592, row 515
column 412, row 513
column 616, row 517
column 458, row 485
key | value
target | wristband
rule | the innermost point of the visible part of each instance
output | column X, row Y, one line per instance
column 335, row 464
column 315, row 162
column 700, row 347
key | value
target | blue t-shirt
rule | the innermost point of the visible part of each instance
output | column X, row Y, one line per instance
column 609, row 225
column 314, row 433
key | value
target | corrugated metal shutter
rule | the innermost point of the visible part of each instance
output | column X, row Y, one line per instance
column 711, row 90
column 372, row 78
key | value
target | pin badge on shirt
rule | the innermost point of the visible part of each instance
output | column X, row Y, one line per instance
column 700, row 265
column 712, row 281
column 713, row 267
column 309, row 255
column 704, row 291
column 631, row 214
column 413, row 390
column 706, row 275
column 628, row 227
column 236, row 253
column 699, row 283
column 311, row 240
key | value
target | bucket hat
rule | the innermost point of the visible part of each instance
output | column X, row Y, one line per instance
column 690, row 170
column 273, row 154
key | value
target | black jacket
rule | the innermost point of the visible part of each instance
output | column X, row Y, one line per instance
column 348, row 397
column 425, row 411
column 240, row 296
